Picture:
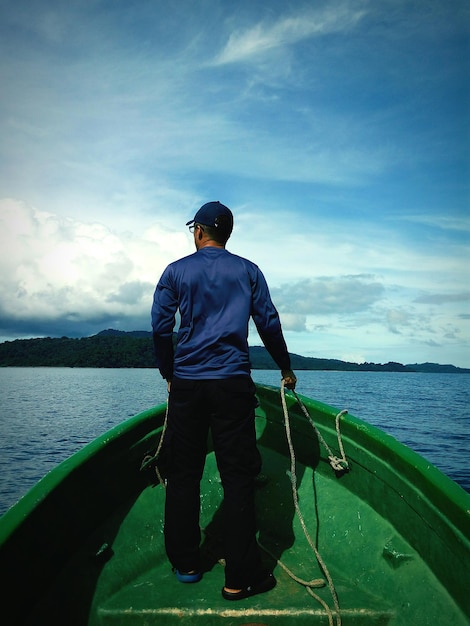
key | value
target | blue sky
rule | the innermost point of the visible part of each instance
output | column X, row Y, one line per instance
column 337, row 132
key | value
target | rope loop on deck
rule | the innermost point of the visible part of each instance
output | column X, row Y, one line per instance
column 336, row 462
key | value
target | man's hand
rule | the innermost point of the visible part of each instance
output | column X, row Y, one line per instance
column 289, row 378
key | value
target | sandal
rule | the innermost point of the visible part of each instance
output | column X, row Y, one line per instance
column 188, row 577
column 265, row 585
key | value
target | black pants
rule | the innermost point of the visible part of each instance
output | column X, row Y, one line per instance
column 226, row 407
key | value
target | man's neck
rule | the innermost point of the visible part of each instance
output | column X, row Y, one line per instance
column 206, row 243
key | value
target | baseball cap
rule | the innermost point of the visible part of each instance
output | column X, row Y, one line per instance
column 214, row 214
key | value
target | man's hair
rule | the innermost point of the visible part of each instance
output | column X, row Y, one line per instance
column 222, row 231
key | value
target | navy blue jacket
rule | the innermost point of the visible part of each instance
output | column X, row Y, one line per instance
column 216, row 293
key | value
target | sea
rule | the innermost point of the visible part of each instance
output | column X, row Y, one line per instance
column 47, row 414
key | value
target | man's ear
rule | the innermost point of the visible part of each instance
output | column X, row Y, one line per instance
column 200, row 235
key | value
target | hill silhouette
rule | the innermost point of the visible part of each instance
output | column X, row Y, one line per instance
column 115, row 348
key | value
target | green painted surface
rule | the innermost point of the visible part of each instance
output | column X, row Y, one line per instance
column 85, row 546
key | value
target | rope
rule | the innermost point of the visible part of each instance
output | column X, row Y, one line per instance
column 338, row 464
column 297, row 507
column 151, row 458
column 308, row 584
column 315, row 582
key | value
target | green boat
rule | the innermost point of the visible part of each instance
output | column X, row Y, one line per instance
column 358, row 528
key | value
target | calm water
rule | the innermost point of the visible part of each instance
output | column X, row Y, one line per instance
column 46, row 414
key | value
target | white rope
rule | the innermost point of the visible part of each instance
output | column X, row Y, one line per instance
column 299, row 513
column 338, row 464
column 149, row 458
column 160, row 443
column 315, row 582
column 308, row 584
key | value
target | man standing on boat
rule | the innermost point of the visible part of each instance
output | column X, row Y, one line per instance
column 210, row 385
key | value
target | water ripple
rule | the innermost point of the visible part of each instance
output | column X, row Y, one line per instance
column 47, row 414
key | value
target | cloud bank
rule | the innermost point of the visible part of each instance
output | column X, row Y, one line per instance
column 61, row 273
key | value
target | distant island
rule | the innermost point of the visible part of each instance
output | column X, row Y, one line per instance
column 114, row 348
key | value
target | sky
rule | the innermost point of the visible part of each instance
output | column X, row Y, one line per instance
column 337, row 132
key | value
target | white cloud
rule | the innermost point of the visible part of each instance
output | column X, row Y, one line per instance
column 444, row 222
column 54, row 268
column 329, row 295
column 294, row 321
column 443, row 298
column 249, row 44
column 64, row 276
column 397, row 318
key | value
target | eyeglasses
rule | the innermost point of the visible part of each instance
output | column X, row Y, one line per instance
column 193, row 227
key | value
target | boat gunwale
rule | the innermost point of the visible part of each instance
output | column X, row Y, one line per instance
column 432, row 480
column 46, row 485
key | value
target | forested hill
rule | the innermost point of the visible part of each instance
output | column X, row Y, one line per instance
column 113, row 348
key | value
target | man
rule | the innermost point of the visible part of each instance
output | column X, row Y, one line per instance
column 210, row 387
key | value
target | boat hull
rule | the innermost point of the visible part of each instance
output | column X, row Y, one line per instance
column 85, row 545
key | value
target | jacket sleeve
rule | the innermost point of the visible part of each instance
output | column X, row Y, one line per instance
column 268, row 324
column 164, row 309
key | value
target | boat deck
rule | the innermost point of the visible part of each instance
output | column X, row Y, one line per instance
column 379, row 579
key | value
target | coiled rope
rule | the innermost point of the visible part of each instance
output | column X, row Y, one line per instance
column 338, row 465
